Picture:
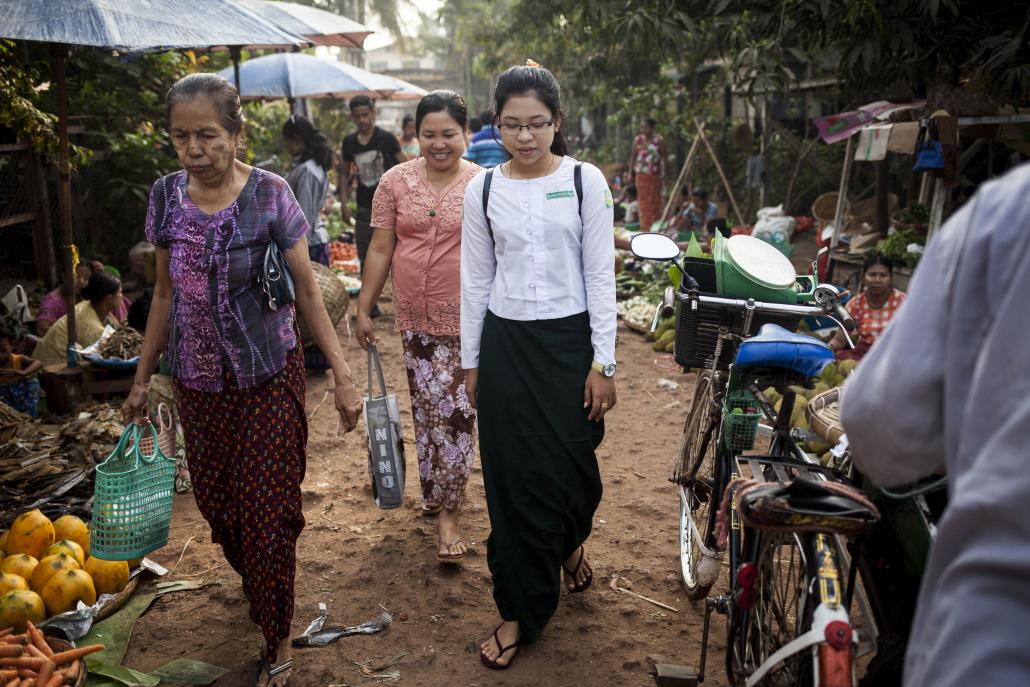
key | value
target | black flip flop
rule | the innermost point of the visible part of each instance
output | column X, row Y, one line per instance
column 493, row 664
column 583, row 586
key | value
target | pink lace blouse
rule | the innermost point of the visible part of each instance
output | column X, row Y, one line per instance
column 426, row 264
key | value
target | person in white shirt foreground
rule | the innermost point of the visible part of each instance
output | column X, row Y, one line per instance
column 538, row 341
column 947, row 387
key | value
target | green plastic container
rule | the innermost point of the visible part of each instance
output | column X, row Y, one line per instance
column 741, row 427
column 746, row 267
column 132, row 497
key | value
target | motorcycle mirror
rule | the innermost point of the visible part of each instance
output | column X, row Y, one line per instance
column 654, row 247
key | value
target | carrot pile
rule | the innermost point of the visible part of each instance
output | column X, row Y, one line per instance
column 26, row 660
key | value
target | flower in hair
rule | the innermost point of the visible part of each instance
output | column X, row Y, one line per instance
column 532, row 63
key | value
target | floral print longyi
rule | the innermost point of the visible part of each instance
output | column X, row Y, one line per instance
column 445, row 422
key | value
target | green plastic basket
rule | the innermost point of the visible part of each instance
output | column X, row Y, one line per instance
column 132, row 497
column 739, row 429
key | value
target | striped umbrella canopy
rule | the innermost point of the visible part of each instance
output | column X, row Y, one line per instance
column 318, row 26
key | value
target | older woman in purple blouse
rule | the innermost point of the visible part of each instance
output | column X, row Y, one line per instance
column 238, row 367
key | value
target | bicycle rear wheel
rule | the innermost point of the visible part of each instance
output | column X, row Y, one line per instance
column 694, row 473
column 782, row 611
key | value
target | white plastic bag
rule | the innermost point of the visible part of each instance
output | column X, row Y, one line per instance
column 774, row 227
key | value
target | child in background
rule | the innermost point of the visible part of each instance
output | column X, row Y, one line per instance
column 632, row 207
column 19, row 387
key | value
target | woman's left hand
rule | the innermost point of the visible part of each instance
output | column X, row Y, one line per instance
column 598, row 395
column 348, row 403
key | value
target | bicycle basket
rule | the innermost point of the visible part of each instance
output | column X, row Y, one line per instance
column 740, row 428
column 132, row 497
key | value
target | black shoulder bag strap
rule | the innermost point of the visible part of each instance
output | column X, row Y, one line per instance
column 577, row 180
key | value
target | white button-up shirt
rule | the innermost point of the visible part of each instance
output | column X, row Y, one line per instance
column 543, row 262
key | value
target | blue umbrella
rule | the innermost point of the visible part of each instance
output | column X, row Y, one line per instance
column 141, row 25
column 297, row 75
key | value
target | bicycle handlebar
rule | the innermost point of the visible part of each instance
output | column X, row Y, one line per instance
column 749, row 303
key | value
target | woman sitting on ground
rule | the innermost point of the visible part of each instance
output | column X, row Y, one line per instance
column 19, row 387
column 53, row 305
column 872, row 309
column 102, row 295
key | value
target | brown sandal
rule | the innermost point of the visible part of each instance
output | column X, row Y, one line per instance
column 579, row 586
column 491, row 663
column 450, row 557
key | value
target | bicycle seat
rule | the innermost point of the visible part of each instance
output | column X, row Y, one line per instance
column 774, row 346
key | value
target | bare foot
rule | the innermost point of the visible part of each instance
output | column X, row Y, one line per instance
column 450, row 544
column 282, row 655
column 507, row 634
column 583, row 572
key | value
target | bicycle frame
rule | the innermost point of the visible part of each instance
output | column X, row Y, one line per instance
column 829, row 638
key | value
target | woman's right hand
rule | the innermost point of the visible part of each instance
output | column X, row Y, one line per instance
column 136, row 403
column 364, row 330
column 472, row 386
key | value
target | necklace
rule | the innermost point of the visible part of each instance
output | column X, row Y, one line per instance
column 450, row 178
column 550, row 168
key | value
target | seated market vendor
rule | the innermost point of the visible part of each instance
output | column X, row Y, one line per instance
column 53, row 305
column 102, row 294
column 19, row 387
column 872, row 309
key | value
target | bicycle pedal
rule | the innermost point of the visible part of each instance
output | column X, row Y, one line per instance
column 667, row 675
column 720, row 604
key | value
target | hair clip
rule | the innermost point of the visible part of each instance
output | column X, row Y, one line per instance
column 530, row 62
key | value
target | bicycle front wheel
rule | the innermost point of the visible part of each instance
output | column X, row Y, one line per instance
column 694, row 473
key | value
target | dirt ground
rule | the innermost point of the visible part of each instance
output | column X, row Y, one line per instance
column 358, row 560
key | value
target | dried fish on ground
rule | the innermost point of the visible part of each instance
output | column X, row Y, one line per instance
column 126, row 343
column 51, row 467
column 10, row 421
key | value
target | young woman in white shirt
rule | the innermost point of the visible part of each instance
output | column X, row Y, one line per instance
column 538, row 343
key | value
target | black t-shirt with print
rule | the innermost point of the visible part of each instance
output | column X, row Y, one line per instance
column 372, row 161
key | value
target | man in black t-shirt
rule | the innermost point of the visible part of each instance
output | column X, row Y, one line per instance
column 367, row 154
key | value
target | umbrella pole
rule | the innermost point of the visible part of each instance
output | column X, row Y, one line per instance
column 236, row 53
column 64, row 193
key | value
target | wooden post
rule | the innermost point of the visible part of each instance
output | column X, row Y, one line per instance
column 236, row 53
column 42, row 240
column 60, row 53
column 802, row 154
column 722, row 174
column 845, row 175
column 679, row 180
column 882, row 221
column 936, row 210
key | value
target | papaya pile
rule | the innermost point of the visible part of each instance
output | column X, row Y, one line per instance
column 832, row 376
column 46, row 569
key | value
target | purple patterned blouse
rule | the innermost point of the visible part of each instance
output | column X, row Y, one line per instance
column 218, row 321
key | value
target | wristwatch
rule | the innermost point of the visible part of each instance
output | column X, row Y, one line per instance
column 607, row 370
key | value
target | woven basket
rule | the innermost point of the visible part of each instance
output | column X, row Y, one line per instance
column 132, row 497
column 825, row 207
column 823, row 413
column 58, row 645
column 334, row 295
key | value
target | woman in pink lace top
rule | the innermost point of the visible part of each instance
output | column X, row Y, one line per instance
column 417, row 214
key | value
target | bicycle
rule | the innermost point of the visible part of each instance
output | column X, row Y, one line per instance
column 778, row 519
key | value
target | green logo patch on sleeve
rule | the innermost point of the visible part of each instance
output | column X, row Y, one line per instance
column 608, row 202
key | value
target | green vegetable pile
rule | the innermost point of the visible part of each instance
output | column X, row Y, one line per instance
column 895, row 247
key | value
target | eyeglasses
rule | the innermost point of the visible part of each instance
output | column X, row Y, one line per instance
column 533, row 128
